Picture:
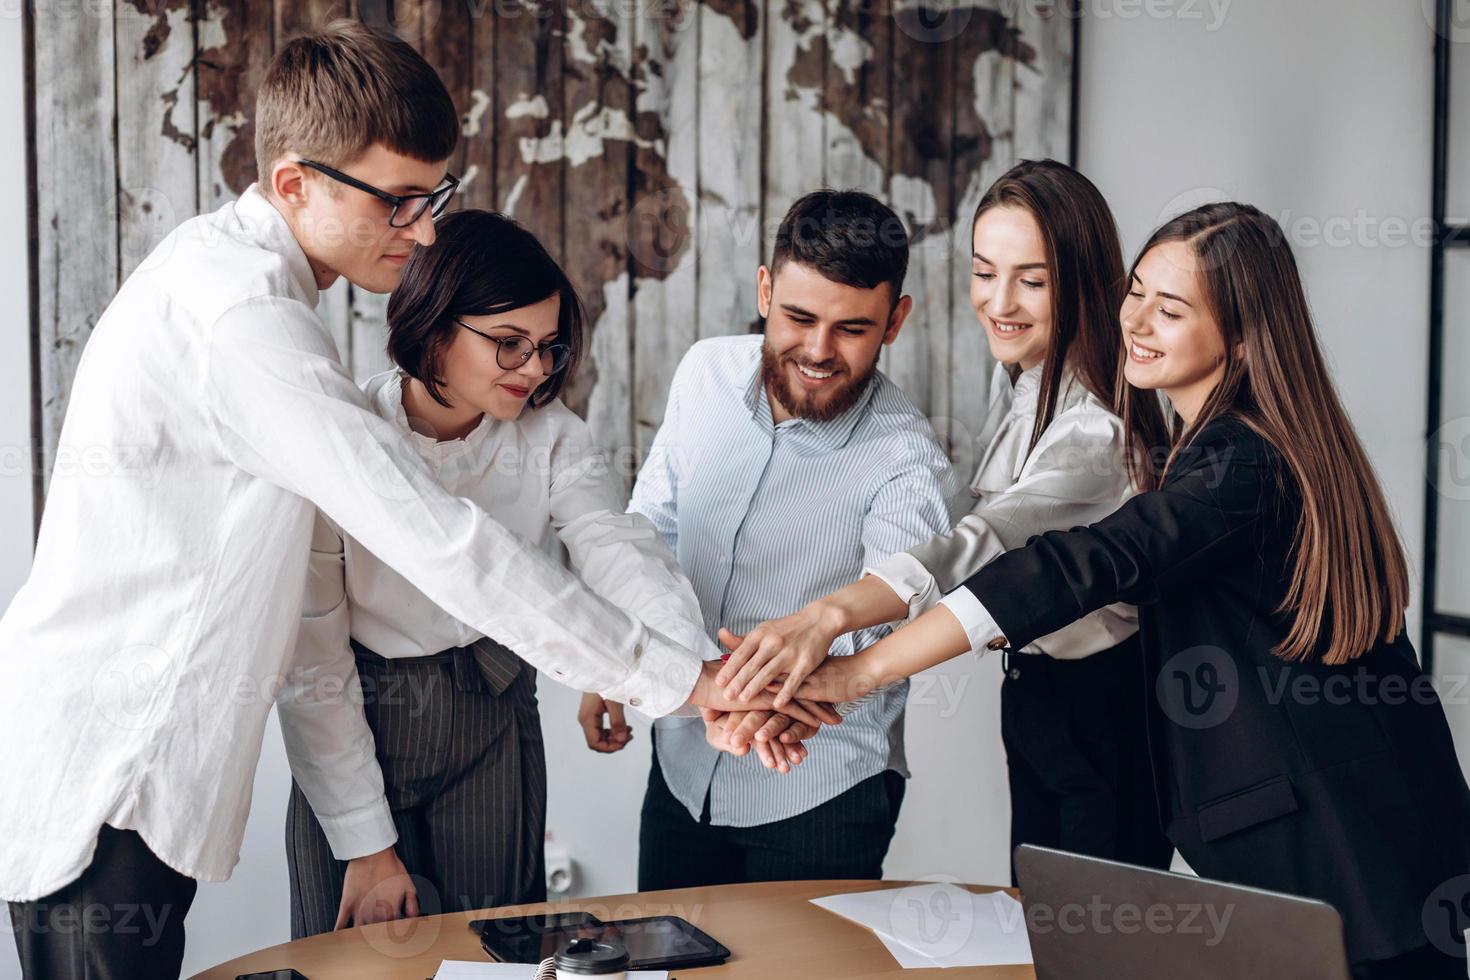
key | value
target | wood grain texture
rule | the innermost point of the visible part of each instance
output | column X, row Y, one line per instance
column 76, row 188
column 598, row 109
column 235, row 45
column 666, row 208
column 771, row 929
column 652, row 146
column 157, row 132
column 731, row 164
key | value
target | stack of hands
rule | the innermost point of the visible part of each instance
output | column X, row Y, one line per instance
column 771, row 693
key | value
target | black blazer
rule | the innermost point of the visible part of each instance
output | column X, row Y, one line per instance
column 1338, row 783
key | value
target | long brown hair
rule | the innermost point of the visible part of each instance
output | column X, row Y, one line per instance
column 1084, row 263
column 1349, row 580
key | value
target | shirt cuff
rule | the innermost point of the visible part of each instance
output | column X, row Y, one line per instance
column 696, row 639
column 662, row 678
column 360, row 832
column 909, row 580
column 980, row 627
column 690, row 636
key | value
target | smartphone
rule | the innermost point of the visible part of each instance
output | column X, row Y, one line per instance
column 272, row 975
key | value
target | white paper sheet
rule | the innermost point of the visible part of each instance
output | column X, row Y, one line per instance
column 904, row 956
column 939, row 923
column 472, row 970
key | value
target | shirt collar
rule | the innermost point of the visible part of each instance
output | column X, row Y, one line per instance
column 1027, row 389
column 831, row 434
column 390, row 397
column 268, row 226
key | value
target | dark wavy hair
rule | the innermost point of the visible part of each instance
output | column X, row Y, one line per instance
column 848, row 236
column 481, row 263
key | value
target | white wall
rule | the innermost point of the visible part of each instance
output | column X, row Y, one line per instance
column 1315, row 110
column 15, row 410
column 1320, row 113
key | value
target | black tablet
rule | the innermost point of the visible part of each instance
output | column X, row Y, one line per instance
column 659, row 942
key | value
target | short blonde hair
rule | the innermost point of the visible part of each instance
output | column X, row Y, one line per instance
column 332, row 93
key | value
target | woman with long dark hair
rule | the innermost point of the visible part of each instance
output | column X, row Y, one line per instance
column 1047, row 279
column 1297, row 744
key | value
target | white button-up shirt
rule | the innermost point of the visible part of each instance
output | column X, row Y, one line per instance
column 543, row 477
column 1075, row 475
column 210, row 411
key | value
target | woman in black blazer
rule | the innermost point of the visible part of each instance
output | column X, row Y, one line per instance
column 1296, row 744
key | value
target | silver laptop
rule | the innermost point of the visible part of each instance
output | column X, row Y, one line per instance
column 1091, row 919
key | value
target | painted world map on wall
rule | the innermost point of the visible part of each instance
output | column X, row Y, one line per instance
column 652, row 145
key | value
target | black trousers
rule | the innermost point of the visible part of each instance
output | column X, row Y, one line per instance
column 123, row 919
column 464, row 769
column 846, row 837
column 1077, row 754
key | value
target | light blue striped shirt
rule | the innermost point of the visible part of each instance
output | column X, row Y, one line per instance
column 765, row 518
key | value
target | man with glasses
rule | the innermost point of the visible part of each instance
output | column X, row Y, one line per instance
column 142, row 656
column 407, row 209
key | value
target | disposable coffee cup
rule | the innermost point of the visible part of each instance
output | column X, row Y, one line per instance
column 590, row 958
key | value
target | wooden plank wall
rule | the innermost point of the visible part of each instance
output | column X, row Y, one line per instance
column 653, row 146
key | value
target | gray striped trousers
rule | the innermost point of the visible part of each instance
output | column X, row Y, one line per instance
column 465, row 773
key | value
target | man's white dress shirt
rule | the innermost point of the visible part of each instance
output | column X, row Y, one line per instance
column 210, row 412
column 543, row 477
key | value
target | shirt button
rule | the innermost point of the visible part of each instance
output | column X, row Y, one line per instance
column 996, row 643
column 638, row 650
column 635, row 702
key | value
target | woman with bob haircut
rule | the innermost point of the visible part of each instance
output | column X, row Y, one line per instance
column 485, row 330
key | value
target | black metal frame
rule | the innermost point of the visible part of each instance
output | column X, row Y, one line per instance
column 420, row 202
column 1445, row 237
column 33, row 261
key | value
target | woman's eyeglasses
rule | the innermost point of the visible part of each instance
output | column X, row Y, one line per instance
column 516, row 350
column 407, row 208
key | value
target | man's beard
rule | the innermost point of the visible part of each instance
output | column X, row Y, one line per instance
column 802, row 404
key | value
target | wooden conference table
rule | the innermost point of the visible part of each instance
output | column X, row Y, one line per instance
column 771, row 929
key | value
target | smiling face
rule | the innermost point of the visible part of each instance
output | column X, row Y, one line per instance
column 474, row 381
column 1175, row 343
column 1010, row 286
column 822, row 340
column 344, row 231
